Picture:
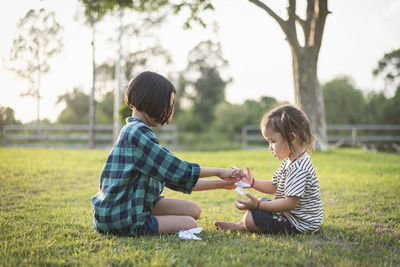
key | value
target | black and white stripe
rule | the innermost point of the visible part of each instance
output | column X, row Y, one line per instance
column 300, row 180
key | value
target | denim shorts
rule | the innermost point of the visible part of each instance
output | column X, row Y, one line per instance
column 150, row 227
column 272, row 223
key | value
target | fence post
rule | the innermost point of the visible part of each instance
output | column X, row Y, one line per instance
column 47, row 137
column 175, row 134
column 5, row 135
column 244, row 137
column 353, row 136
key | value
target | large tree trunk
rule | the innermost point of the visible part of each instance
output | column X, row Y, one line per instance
column 308, row 94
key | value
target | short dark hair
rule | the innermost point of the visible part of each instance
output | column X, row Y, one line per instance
column 151, row 93
column 286, row 120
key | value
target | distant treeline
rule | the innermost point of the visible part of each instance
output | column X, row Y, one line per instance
column 344, row 104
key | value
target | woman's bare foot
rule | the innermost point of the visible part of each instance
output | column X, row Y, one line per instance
column 225, row 226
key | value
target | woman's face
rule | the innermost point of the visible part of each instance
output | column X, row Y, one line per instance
column 277, row 144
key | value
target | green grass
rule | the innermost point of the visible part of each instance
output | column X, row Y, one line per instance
column 46, row 219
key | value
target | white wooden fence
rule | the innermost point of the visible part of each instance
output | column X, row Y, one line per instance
column 338, row 134
column 74, row 136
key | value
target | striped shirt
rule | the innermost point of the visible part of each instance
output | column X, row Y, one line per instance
column 133, row 177
column 300, row 180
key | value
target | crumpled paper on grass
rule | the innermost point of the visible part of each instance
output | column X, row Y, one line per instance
column 239, row 187
column 190, row 234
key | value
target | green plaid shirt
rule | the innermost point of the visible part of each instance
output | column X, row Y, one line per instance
column 133, row 178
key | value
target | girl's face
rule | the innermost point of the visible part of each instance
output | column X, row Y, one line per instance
column 277, row 144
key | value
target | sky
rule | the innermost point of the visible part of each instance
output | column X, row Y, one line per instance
column 357, row 34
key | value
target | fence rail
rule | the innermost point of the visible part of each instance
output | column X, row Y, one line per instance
column 74, row 135
column 338, row 134
column 79, row 135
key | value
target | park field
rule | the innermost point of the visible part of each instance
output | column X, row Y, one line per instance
column 46, row 215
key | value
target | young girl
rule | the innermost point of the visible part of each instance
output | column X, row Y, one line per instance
column 129, row 200
column 297, row 206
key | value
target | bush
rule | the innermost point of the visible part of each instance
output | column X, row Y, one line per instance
column 207, row 141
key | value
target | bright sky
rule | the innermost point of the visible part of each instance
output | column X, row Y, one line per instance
column 357, row 35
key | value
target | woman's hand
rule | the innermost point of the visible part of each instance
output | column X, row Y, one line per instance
column 247, row 204
column 229, row 185
column 229, row 174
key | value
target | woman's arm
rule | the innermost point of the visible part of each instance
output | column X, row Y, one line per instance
column 213, row 184
column 220, row 172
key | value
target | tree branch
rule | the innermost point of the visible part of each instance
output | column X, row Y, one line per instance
column 320, row 13
column 291, row 32
column 270, row 12
column 309, row 19
column 288, row 26
column 302, row 23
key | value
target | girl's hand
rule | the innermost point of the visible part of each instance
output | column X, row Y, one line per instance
column 250, row 204
column 248, row 177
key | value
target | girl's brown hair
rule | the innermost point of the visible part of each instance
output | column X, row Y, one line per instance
column 288, row 120
column 151, row 93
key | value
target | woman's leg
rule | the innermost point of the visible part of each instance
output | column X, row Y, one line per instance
column 173, row 223
column 173, row 206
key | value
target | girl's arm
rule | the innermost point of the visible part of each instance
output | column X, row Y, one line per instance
column 265, row 186
column 213, row 184
column 277, row 205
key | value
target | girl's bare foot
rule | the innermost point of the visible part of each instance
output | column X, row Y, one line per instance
column 225, row 226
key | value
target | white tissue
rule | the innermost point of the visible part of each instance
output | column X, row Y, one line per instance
column 239, row 187
column 190, row 234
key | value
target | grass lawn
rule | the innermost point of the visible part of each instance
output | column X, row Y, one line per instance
column 46, row 215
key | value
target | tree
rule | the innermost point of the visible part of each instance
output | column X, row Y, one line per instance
column 76, row 110
column 374, row 108
column 7, row 116
column 194, row 8
column 392, row 109
column 308, row 92
column 344, row 103
column 94, row 12
column 37, row 39
column 389, row 66
column 230, row 118
column 144, row 52
column 205, row 62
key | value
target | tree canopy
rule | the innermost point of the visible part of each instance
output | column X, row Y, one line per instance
column 389, row 66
